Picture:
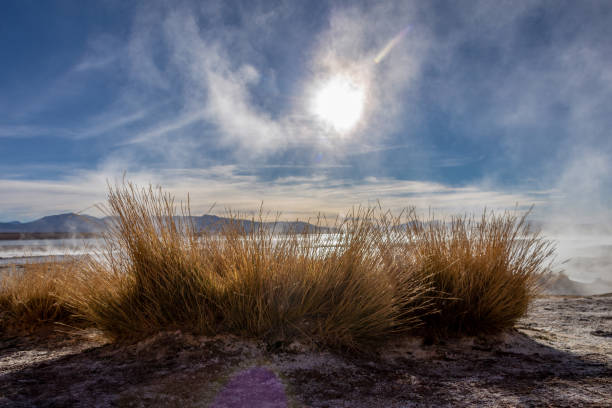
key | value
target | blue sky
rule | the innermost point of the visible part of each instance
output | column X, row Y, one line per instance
column 477, row 104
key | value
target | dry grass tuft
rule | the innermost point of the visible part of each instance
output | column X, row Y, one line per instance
column 148, row 277
column 157, row 272
column 484, row 273
column 32, row 295
column 330, row 287
column 352, row 285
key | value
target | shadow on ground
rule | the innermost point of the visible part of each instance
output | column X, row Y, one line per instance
column 176, row 369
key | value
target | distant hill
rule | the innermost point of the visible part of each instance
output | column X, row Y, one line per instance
column 65, row 224
column 61, row 223
column 215, row 223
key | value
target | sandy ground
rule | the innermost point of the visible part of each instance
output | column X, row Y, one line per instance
column 560, row 355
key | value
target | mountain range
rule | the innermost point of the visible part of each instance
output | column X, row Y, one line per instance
column 79, row 225
column 64, row 225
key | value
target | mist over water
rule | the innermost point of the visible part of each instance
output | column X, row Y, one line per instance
column 581, row 256
column 36, row 250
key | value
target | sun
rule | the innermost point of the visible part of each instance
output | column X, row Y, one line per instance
column 339, row 102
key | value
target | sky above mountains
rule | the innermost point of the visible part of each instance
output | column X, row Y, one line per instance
column 308, row 106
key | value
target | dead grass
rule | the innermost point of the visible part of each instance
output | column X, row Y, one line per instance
column 148, row 277
column 333, row 288
column 31, row 296
column 371, row 276
column 484, row 272
column 157, row 272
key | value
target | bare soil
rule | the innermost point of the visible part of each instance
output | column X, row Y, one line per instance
column 560, row 355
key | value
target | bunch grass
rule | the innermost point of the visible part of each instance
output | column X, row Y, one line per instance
column 32, row 295
column 351, row 283
column 484, row 272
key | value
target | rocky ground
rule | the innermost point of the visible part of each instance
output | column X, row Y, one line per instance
column 560, row 355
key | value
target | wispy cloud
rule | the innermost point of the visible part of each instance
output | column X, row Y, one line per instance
column 463, row 85
column 106, row 123
column 102, row 50
column 228, row 187
column 226, row 84
column 166, row 127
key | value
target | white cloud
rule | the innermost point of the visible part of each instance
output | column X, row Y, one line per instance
column 229, row 187
column 188, row 67
column 219, row 79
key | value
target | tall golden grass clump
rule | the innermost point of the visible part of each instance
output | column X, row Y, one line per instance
column 351, row 284
column 33, row 295
column 327, row 284
column 157, row 272
column 484, row 273
column 148, row 276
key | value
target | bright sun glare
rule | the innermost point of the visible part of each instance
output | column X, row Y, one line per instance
column 339, row 103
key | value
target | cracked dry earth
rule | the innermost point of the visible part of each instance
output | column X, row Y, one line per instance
column 559, row 355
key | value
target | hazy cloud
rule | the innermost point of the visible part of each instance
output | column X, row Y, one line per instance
column 513, row 98
column 229, row 188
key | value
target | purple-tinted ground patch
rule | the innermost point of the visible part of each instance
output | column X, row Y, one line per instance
column 257, row 387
